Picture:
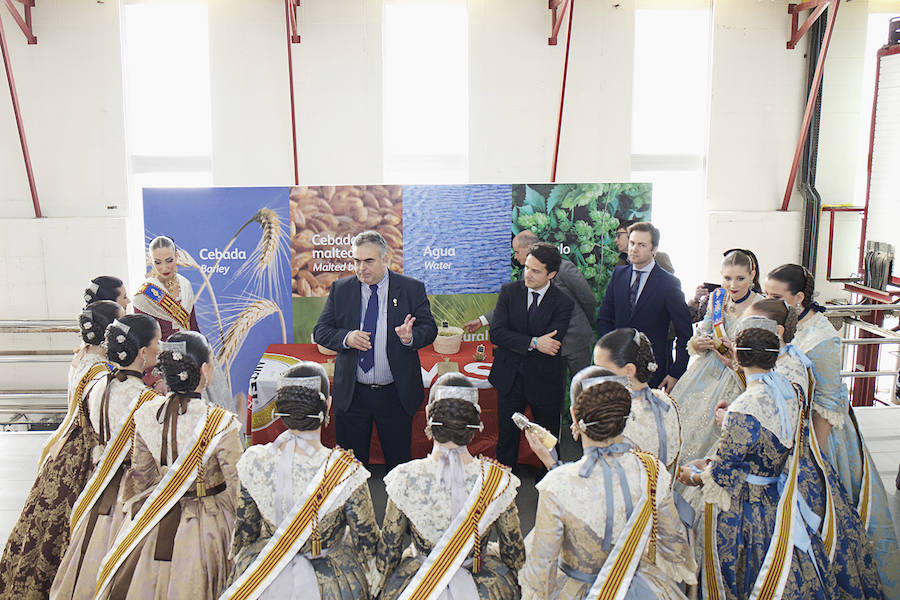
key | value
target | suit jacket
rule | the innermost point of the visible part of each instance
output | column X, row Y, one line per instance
column 572, row 283
column 661, row 302
column 511, row 333
column 342, row 314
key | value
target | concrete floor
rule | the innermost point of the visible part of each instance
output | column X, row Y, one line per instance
column 20, row 451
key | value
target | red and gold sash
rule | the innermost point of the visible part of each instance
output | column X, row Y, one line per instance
column 464, row 534
column 179, row 477
column 170, row 305
column 296, row 529
column 618, row 570
column 113, row 457
column 74, row 406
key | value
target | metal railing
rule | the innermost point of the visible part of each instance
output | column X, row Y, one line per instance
column 34, row 407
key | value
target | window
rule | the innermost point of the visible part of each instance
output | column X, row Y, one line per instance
column 425, row 91
column 670, row 118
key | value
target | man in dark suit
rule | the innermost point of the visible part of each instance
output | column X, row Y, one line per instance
column 529, row 322
column 644, row 296
column 376, row 321
column 579, row 340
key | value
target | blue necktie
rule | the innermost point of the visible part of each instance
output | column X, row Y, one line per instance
column 370, row 324
column 635, row 285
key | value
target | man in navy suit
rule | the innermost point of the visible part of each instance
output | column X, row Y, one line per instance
column 528, row 325
column 376, row 321
column 644, row 296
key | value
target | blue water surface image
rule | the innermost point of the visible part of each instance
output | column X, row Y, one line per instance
column 456, row 238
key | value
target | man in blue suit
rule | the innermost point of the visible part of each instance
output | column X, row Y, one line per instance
column 644, row 296
column 376, row 320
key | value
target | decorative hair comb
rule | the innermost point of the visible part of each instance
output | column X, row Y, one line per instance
column 312, row 382
column 469, row 394
column 178, row 350
column 592, row 381
column 758, row 322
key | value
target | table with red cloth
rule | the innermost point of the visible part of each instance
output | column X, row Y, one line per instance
column 264, row 427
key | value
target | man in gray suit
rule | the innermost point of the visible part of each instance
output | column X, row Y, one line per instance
column 579, row 341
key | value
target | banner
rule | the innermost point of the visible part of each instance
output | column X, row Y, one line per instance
column 233, row 246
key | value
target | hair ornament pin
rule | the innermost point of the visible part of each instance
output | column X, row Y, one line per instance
column 652, row 367
column 320, row 416
column 177, row 356
column 758, row 349
column 584, row 426
column 90, row 335
column 86, row 325
column 183, row 376
column 120, row 339
column 93, row 287
column 122, row 355
column 88, row 298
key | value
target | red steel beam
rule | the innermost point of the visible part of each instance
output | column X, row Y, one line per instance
column 290, row 23
column 813, row 92
column 558, row 17
column 562, row 96
column 16, row 109
column 24, row 23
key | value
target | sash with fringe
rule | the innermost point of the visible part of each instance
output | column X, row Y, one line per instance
column 113, row 456
column 718, row 315
column 618, row 570
column 295, row 530
column 166, row 494
column 170, row 306
column 776, row 565
column 74, row 406
column 464, row 533
column 829, row 523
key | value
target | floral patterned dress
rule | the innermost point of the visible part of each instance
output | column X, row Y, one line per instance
column 706, row 382
column 77, row 573
column 349, row 533
column 754, row 444
column 643, row 429
column 419, row 505
column 844, row 449
column 40, row 537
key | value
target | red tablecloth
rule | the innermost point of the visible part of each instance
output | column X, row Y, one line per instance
column 264, row 429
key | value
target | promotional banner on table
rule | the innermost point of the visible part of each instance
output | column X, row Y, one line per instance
column 262, row 259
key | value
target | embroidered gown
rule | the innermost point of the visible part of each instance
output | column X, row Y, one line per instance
column 186, row 555
column 349, row 532
column 844, row 449
column 642, row 427
column 753, row 443
column 704, row 384
column 77, row 573
column 570, row 528
column 854, row 564
column 36, row 544
column 419, row 505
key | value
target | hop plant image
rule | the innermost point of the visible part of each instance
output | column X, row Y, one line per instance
column 582, row 220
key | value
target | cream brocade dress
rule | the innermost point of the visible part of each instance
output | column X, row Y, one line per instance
column 570, row 525
column 199, row 564
column 419, row 505
column 349, row 532
column 72, row 582
column 641, row 428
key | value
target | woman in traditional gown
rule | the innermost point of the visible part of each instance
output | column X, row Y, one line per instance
column 833, row 418
column 133, row 344
column 653, row 424
column 711, row 376
column 184, row 551
column 587, row 508
column 853, row 564
column 37, row 541
column 430, row 498
column 742, row 524
column 282, row 475
column 106, row 287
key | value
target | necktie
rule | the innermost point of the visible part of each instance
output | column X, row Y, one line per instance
column 370, row 324
column 635, row 285
column 534, row 304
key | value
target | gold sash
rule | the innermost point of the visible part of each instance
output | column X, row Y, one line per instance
column 113, row 456
column 165, row 495
column 829, row 523
column 293, row 532
column 170, row 305
column 463, row 534
column 74, row 407
column 618, row 570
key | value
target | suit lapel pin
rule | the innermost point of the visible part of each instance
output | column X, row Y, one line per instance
column 395, row 302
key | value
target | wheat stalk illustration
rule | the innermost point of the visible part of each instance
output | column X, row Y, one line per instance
column 253, row 312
